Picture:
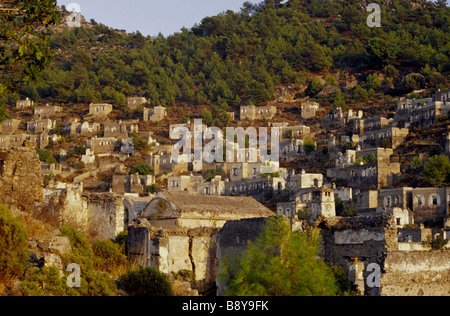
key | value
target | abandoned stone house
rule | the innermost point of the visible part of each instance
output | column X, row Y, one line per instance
column 24, row 104
column 294, row 132
column 396, row 202
column 156, row 114
column 356, row 244
column 407, row 205
column 255, row 187
column 186, row 210
column 390, row 137
column 43, row 139
column 442, row 96
column 429, row 204
column 43, row 112
column 100, row 110
column 422, row 112
column 362, row 126
column 40, row 126
column 84, row 129
column 102, row 145
column 252, row 112
column 9, row 126
column 303, row 180
column 17, row 140
column 337, row 118
column 309, row 109
column 120, row 130
column 196, row 185
column 133, row 183
column 161, row 163
column 365, row 176
column 176, row 231
column 215, row 186
column 311, row 203
column 184, row 183
column 134, row 102
column 292, row 149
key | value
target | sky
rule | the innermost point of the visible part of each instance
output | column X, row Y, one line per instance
column 151, row 17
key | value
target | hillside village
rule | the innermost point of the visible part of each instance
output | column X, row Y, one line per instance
column 91, row 146
column 96, row 185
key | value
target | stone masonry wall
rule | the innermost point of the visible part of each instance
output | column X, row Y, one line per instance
column 175, row 249
column 21, row 181
column 417, row 273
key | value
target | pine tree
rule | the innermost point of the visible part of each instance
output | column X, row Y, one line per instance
column 280, row 263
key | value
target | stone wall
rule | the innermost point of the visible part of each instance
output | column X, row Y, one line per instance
column 354, row 243
column 21, row 181
column 100, row 216
column 175, row 249
column 417, row 273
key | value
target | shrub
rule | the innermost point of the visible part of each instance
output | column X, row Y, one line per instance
column 46, row 156
column 93, row 283
column 438, row 243
column 46, row 282
column 360, row 94
column 109, row 257
column 142, row 168
column 309, row 145
column 145, row 282
column 416, row 162
column 13, row 247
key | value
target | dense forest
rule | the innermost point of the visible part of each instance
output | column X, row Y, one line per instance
column 239, row 58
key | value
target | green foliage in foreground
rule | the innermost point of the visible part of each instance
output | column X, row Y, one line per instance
column 13, row 247
column 281, row 263
column 96, row 262
column 146, row 282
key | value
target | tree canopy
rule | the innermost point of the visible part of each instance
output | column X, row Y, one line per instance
column 239, row 57
column 280, row 263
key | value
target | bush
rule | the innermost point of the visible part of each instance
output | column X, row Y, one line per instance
column 146, row 282
column 309, row 145
column 437, row 170
column 142, row 168
column 416, row 162
column 46, row 156
column 438, row 243
column 109, row 257
column 360, row 94
column 13, row 247
column 46, row 282
column 93, row 282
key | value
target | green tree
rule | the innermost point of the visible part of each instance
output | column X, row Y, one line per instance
column 142, row 168
column 308, row 145
column 46, row 156
column 360, row 94
column 139, row 143
column 13, row 247
column 24, row 41
column 437, row 170
column 280, row 263
column 416, row 162
column 373, row 82
column 339, row 101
